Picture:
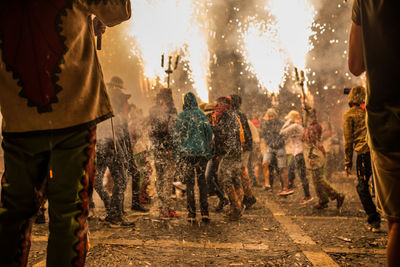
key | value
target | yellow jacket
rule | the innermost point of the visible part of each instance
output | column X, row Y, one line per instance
column 81, row 95
column 355, row 132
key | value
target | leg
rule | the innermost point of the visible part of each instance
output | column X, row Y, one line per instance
column 364, row 172
column 291, row 171
column 73, row 159
column 102, row 160
column 266, row 172
column 301, row 168
column 26, row 171
column 188, row 176
column 317, row 177
column 202, row 184
column 393, row 246
column 118, row 174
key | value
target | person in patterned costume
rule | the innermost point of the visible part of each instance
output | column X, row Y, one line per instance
column 52, row 95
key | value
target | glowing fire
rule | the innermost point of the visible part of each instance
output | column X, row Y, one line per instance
column 271, row 48
column 264, row 56
column 172, row 27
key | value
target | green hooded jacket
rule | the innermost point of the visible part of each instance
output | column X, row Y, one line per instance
column 192, row 133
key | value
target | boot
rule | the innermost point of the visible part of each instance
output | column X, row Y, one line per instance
column 236, row 204
column 136, row 205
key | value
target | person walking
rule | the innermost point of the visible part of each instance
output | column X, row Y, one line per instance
column 293, row 130
column 192, row 139
column 355, row 133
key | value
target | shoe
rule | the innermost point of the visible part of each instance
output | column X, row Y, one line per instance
column 179, row 185
column 248, row 202
column 205, row 217
column 267, row 187
column 340, row 200
column 221, row 205
column 286, row 192
column 375, row 227
column 173, row 214
column 173, row 196
column 306, row 200
column 138, row 207
column 235, row 214
column 163, row 214
column 119, row 221
column 191, row 218
column 321, row 206
column 40, row 219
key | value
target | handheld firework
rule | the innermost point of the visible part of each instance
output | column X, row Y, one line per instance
column 99, row 29
column 169, row 69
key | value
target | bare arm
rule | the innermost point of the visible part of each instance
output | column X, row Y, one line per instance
column 356, row 60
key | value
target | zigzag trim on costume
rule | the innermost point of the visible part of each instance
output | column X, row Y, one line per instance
column 87, row 181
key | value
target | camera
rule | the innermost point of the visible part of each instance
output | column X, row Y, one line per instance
column 346, row 91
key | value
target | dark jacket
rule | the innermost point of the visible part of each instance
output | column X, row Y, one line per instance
column 192, row 133
column 227, row 136
column 248, row 139
column 271, row 133
column 162, row 128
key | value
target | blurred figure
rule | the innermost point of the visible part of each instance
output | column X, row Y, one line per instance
column 52, row 95
column 247, row 146
column 227, row 148
column 275, row 149
column 114, row 151
column 355, row 133
column 293, row 130
column 255, row 160
column 162, row 123
column 374, row 48
column 192, row 139
column 315, row 158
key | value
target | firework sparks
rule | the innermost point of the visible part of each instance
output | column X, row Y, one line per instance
column 174, row 27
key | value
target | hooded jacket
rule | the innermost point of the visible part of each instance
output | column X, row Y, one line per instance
column 50, row 76
column 192, row 132
column 271, row 133
column 354, row 127
column 248, row 140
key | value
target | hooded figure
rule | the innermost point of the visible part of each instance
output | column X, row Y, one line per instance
column 192, row 141
column 355, row 133
column 192, row 134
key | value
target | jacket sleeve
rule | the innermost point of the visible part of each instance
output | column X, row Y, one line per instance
column 110, row 12
column 208, row 135
column 348, row 139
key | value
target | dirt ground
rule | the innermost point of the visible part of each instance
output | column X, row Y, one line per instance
column 276, row 231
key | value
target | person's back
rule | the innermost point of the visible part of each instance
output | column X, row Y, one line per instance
column 227, row 135
column 52, row 83
column 192, row 134
column 374, row 48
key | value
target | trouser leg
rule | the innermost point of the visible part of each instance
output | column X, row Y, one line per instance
column 188, row 175
column 68, row 195
column 165, row 168
column 317, row 180
column 117, row 198
column 291, row 171
column 202, row 184
column 301, row 168
column 22, row 194
column 100, row 171
column 364, row 172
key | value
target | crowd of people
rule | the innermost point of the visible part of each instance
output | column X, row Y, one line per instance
column 53, row 100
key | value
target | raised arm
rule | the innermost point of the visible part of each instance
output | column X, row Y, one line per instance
column 356, row 50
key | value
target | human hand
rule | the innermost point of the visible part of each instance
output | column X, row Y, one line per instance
column 348, row 170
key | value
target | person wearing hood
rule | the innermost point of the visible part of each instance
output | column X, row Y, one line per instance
column 192, row 142
column 293, row 131
column 227, row 147
column 162, row 122
column 315, row 158
column 247, row 147
column 355, row 133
